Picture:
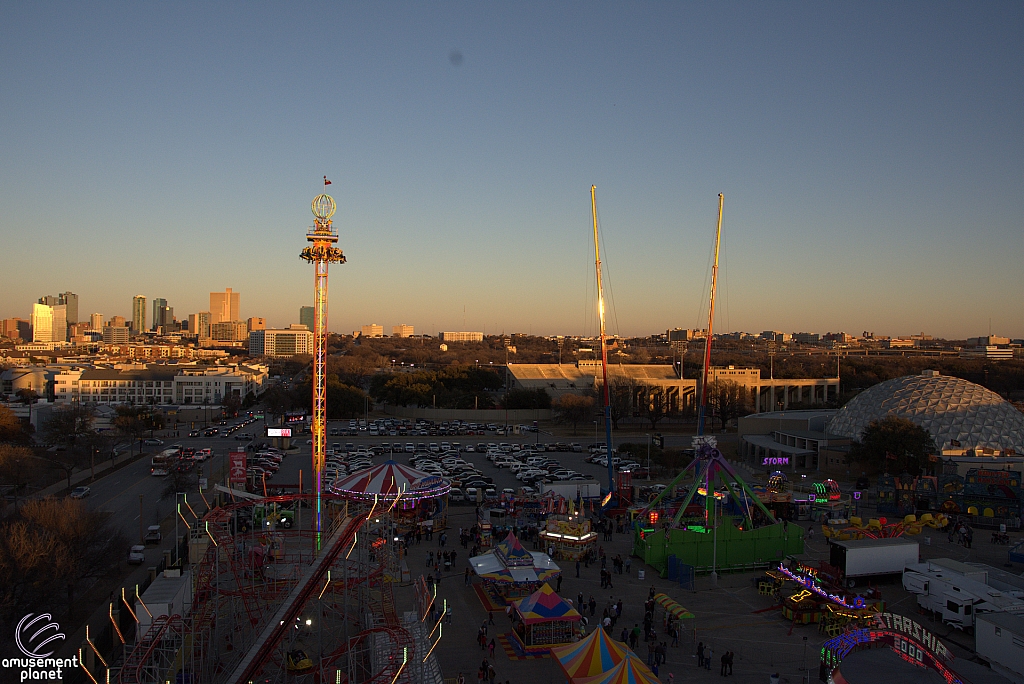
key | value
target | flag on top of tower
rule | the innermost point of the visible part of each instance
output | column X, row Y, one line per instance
column 326, row 182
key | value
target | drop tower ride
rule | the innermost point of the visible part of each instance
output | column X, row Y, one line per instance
column 321, row 252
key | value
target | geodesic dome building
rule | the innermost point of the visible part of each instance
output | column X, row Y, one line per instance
column 948, row 408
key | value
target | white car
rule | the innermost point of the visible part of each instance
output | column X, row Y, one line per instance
column 137, row 554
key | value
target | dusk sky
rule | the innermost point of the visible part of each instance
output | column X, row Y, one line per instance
column 871, row 156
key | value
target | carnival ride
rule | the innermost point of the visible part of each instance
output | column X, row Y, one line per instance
column 717, row 522
column 882, row 527
column 280, row 601
column 253, row 614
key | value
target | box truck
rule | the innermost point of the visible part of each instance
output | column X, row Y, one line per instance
column 572, row 489
column 859, row 560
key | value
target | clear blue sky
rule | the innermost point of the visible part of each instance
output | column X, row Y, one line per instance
column 871, row 156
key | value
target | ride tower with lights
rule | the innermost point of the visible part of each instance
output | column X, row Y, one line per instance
column 321, row 253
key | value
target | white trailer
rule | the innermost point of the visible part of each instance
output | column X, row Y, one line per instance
column 573, row 489
column 861, row 559
column 999, row 639
column 958, row 592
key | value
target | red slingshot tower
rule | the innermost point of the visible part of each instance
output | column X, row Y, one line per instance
column 321, row 252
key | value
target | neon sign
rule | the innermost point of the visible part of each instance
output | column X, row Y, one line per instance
column 907, row 638
column 779, row 460
column 811, row 582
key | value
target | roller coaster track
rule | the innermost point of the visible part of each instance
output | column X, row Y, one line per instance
column 283, row 621
column 143, row 655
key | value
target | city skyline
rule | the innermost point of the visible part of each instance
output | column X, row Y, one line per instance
column 870, row 158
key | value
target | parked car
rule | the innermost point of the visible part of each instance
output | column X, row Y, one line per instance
column 137, row 554
column 80, row 492
column 153, row 535
column 153, row 442
column 456, row 494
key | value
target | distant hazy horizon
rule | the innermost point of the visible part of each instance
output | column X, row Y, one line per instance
column 871, row 156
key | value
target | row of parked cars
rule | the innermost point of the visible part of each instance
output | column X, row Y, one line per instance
column 265, row 462
column 402, row 427
column 467, row 480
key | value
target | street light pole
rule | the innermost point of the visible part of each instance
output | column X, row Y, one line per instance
column 648, row 456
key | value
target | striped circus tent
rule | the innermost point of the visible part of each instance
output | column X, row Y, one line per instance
column 630, row 670
column 593, row 655
column 387, row 480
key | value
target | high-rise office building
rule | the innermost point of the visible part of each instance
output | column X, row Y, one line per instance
column 138, row 314
column 42, row 323
column 224, row 306
column 306, row 316
column 17, row 328
column 49, row 323
column 199, row 324
column 402, row 330
column 96, row 322
column 118, row 322
column 256, row 323
column 373, row 330
column 159, row 304
column 70, row 301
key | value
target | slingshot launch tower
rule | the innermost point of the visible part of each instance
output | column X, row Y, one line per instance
column 321, row 252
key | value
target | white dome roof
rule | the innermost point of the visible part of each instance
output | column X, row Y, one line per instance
column 948, row 408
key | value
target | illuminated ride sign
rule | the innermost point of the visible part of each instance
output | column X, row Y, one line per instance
column 809, row 581
column 279, row 432
column 908, row 639
column 780, row 460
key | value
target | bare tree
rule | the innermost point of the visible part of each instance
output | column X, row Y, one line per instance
column 621, row 399
column 50, row 548
column 18, row 466
column 728, row 400
column 11, row 427
column 66, row 429
column 573, row 409
column 653, row 404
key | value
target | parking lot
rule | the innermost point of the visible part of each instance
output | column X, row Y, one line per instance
column 479, row 465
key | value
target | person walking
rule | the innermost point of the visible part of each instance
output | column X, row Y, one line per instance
column 492, row 644
column 708, row 655
column 729, row 662
column 725, row 664
column 593, row 606
column 579, row 602
column 558, row 585
column 468, row 580
column 577, row 568
column 700, row 654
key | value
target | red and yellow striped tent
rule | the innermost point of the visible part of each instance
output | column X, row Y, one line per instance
column 631, row 670
column 595, row 654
